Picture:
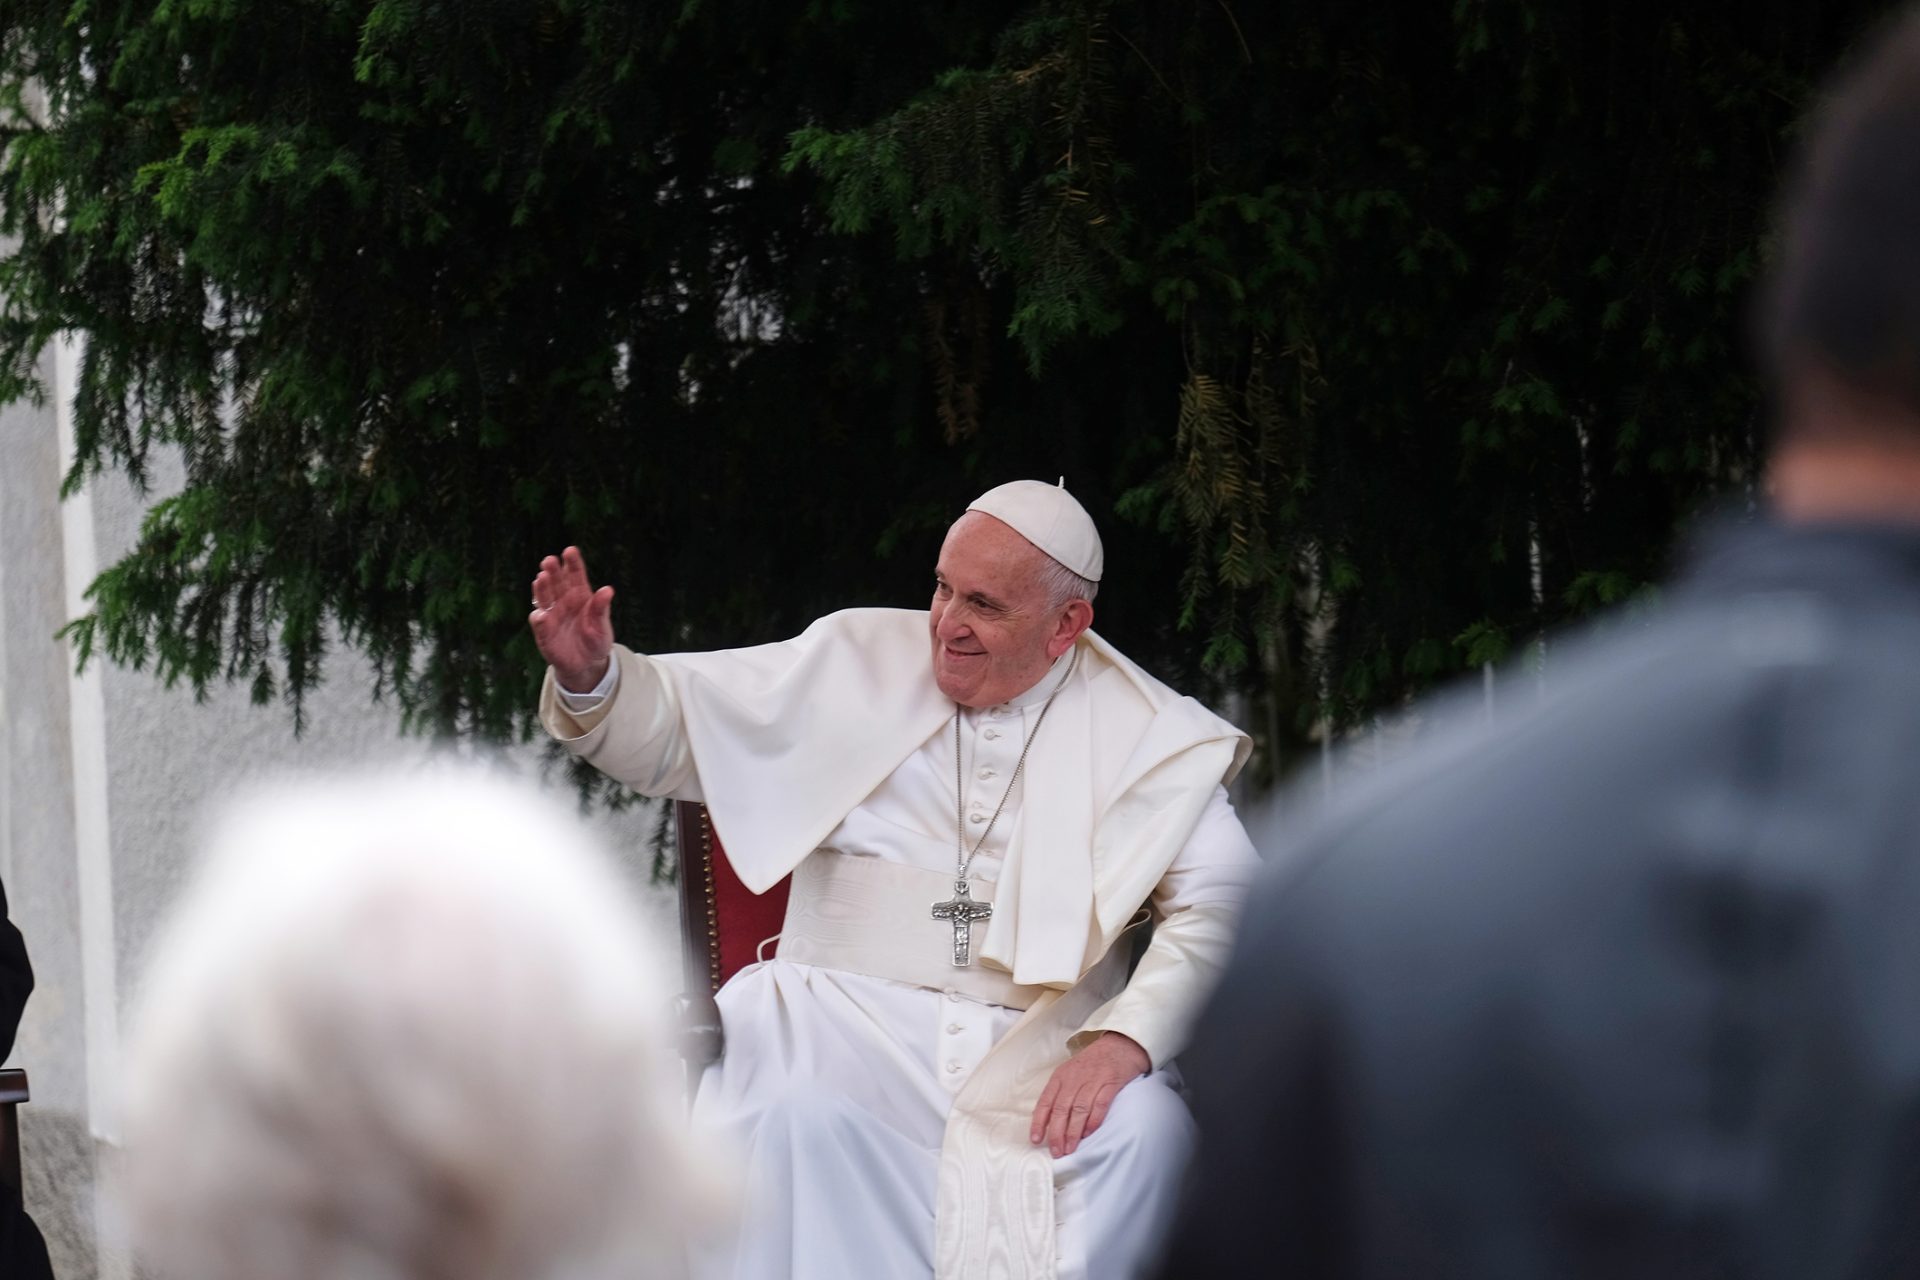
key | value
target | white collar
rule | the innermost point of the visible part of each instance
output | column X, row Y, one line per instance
column 1038, row 691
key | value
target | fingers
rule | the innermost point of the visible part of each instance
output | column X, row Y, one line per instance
column 560, row 577
column 1076, row 1125
column 573, row 570
column 1086, row 1113
column 1080, row 1117
column 596, row 624
column 1044, row 1111
column 1072, row 1108
column 546, row 583
column 547, row 631
column 1102, row 1102
column 1057, row 1128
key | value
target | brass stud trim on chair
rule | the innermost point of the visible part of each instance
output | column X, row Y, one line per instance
column 713, row 909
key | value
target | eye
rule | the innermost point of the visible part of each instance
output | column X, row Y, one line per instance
column 941, row 589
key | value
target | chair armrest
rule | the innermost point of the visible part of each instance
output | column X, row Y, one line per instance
column 697, row 1016
column 13, row 1092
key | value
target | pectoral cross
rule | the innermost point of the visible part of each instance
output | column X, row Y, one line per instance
column 963, row 911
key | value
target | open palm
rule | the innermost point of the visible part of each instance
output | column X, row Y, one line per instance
column 572, row 622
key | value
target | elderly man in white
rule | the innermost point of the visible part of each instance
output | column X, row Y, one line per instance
column 947, row 1069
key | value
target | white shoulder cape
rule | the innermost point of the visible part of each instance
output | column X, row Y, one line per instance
column 788, row 738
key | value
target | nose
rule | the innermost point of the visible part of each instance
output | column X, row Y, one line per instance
column 952, row 624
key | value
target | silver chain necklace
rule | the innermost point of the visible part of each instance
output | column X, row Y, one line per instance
column 961, row 909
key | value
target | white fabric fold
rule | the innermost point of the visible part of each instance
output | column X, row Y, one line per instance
column 784, row 736
column 1048, row 872
column 756, row 720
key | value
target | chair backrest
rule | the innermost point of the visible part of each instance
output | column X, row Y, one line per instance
column 722, row 923
column 13, row 1092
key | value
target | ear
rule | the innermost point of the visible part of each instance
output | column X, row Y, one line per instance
column 1076, row 617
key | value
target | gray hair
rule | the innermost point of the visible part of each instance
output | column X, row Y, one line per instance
column 403, row 1030
column 1063, row 584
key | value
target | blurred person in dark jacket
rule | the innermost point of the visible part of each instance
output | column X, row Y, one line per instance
column 16, row 979
column 23, row 1255
column 1627, row 983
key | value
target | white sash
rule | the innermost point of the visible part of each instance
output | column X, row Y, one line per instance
column 866, row 915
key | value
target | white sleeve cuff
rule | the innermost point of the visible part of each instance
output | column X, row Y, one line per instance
column 578, row 702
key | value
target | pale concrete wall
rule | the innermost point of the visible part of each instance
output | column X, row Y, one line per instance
column 104, row 784
column 38, row 842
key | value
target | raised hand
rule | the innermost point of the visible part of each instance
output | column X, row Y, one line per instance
column 571, row 621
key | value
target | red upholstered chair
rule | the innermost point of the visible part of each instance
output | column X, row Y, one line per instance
column 721, row 926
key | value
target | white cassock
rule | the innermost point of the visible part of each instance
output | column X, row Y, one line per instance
column 839, row 1085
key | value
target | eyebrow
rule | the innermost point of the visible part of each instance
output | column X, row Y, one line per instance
column 981, row 596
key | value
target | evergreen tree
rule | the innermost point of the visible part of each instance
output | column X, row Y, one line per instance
column 1424, row 323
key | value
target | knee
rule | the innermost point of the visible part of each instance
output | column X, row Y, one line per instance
column 1148, row 1113
column 787, row 1117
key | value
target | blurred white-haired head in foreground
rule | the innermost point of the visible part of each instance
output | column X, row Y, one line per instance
column 407, row 1029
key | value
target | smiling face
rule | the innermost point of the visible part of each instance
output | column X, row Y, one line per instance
column 994, row 631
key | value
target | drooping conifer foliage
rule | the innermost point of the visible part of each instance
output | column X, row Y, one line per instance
column 1378, row 338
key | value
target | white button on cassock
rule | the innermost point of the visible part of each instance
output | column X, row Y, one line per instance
column 978, row 817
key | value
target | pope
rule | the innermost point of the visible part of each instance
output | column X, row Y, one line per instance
column 947, row 1068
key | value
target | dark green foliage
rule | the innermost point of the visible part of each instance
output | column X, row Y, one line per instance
column 1459, row 294
column 1335, row 314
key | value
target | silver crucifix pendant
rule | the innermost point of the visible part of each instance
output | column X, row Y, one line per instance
column 962, row 910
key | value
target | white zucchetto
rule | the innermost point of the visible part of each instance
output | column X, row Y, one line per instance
column 1048, row 516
